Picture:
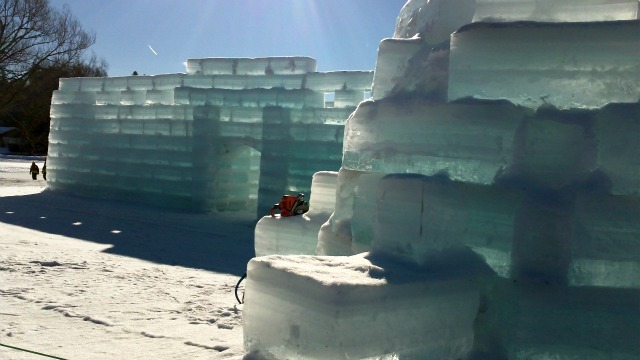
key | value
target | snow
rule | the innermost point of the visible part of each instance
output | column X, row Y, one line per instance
column 87, row 279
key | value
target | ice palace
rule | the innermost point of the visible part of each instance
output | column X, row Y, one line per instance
column 229, row 135
column 487, row 200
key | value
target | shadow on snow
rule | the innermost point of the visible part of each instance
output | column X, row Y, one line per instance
column 214, row 242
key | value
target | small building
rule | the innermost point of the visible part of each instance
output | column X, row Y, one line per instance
column 10, row 138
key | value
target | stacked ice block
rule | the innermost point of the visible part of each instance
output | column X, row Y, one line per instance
column 518, row 173
column 254, row 66
column 541, row 63
column 349, row 308
column 232, row 134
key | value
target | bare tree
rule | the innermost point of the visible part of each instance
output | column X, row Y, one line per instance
column 34, row 35
column 31, row 115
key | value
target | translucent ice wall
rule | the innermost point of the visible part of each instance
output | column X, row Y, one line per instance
column 227, row 136
column 503, row 224
column 549, row 246
column 564, row 260
column 486, row 141
column 109, row 150
column 480, row 142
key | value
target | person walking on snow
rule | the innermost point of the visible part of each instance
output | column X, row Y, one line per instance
column 44, row 171
column 34, row 170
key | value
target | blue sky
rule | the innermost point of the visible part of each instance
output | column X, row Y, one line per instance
column 339, row 34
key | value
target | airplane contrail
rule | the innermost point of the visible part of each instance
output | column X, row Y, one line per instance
column 153, row 51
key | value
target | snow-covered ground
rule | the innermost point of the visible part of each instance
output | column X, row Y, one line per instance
column 88, row 279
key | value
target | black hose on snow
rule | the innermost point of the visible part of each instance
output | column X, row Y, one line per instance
column 237, row 286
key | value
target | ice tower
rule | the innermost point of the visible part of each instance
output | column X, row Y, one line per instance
column 232, row 134
column 488, row 203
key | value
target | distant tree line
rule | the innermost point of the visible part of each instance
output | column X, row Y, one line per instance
column 39, row 45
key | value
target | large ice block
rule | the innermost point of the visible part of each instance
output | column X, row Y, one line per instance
column 433, row 20
column 71, row 111
column 239, row 82
column 108, row 97
column 164, row 97
column 568, row 65
column 417, row 218
column 294, row 235
column 350, row 308
column 142, row 82
column 198, row 81
column 115, row 83
column 339, row 80
column 413, row 222
column 408, row 68
column 73, row 97
column 365, row 198
column 394, row 57
column 323, row 192
column 467, row 141
column 555, row 11
column 133, row 97
column 167, row 81
column 335, row 236
column 347, row 98
column 252, row 66
column 92, row 84
column 69, row 84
